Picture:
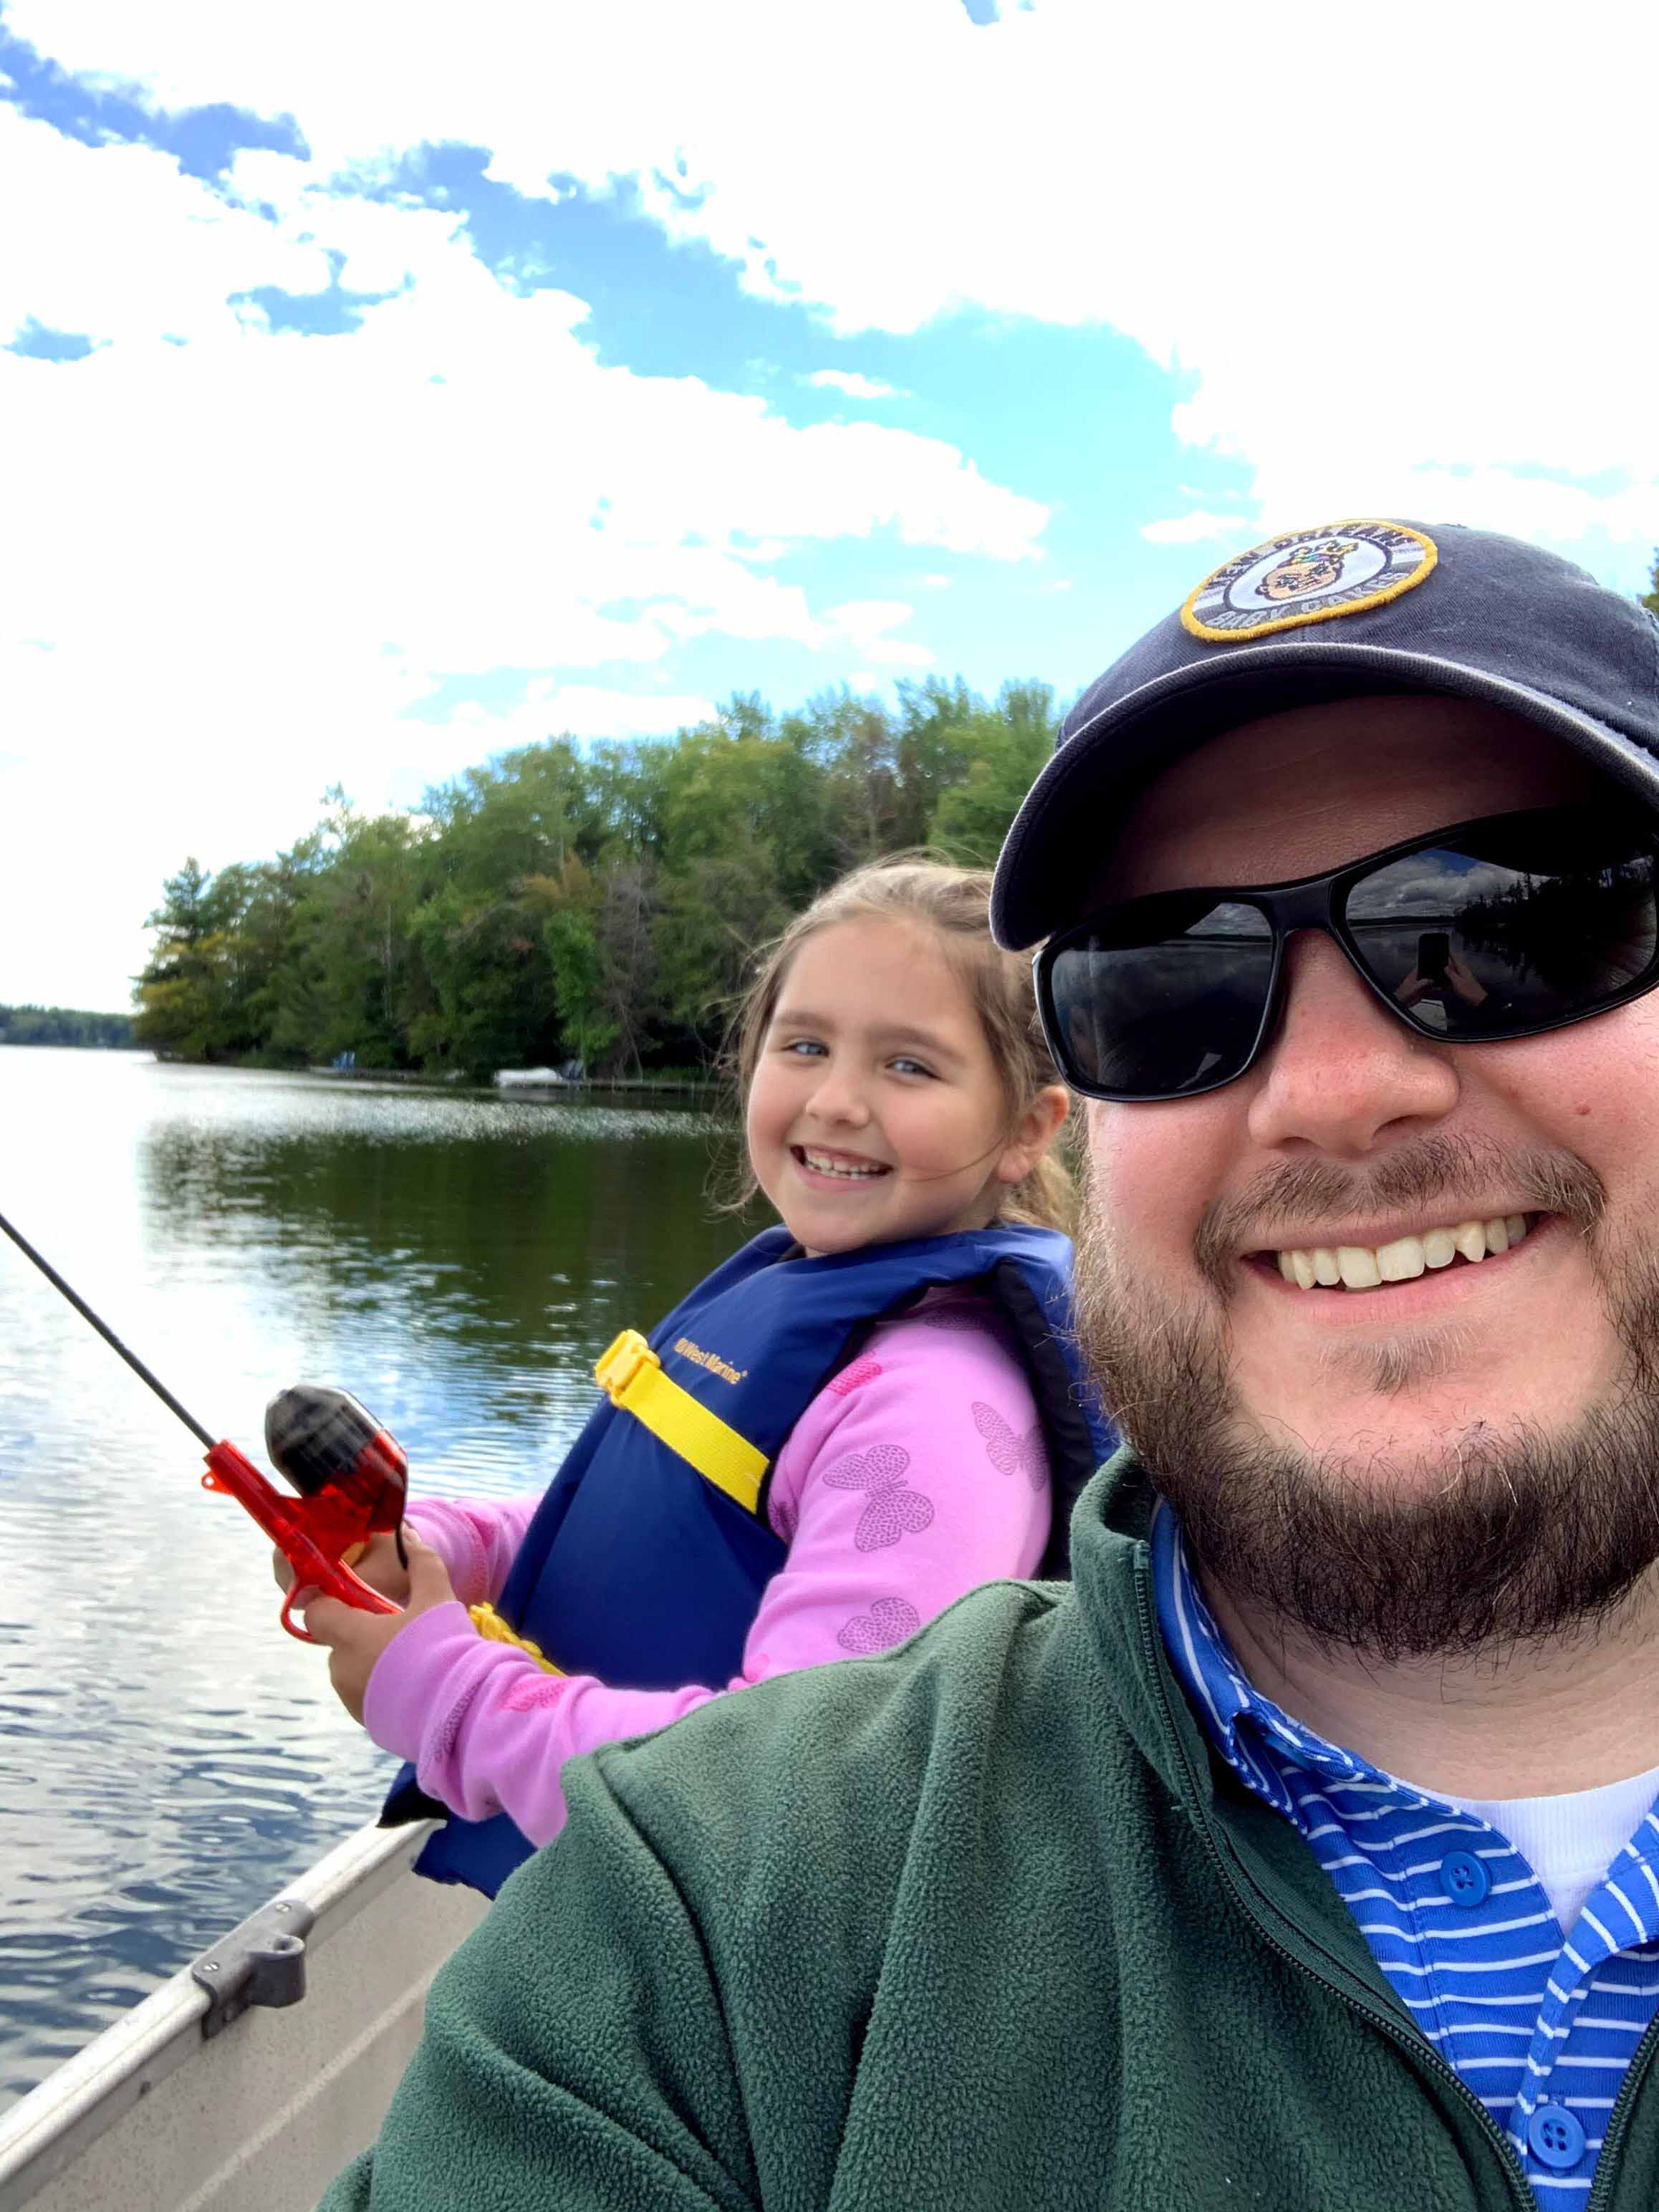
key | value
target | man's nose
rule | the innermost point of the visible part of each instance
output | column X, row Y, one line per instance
column 1342, row 1074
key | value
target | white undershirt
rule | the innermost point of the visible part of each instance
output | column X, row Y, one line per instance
column 1570, row 1840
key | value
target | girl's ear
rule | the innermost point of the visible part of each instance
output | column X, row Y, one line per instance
column 1035, row 1131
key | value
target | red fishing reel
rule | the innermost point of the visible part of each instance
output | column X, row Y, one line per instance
column 350, row 1472
column 352, row 1477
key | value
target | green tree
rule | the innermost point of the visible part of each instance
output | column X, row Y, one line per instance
column 350, row 893
column 1012, row 743
column 1650, row 597
column 600, row 902
column 63, row 1026
column 570, row 905
column 758, row 791
column 712, row 917
column 187, row 993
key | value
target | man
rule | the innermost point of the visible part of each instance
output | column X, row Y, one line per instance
column 1300, row 1852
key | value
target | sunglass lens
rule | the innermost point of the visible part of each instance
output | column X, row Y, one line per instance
column 1514, row 927
column 1163, row 997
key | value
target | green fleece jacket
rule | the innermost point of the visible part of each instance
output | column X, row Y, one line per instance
column 978, row 1924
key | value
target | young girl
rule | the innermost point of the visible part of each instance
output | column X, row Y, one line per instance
column 861, row 1415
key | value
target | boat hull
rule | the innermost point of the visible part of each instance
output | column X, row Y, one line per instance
column 157, row 2115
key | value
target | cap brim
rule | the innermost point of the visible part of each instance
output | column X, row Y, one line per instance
column 1052, row 855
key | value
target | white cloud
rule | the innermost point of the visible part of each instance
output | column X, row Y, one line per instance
column 865, row 624
column 855, row 385
column 1389, row 278
column 91, row 257
column 1192, row 529
column 237, row 556
column 588, row 710
column 1396, row 278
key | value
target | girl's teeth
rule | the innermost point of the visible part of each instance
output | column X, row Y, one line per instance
column 839, row 1168
column 1357, row 1269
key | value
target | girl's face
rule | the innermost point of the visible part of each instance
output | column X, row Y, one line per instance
column 876, row 1111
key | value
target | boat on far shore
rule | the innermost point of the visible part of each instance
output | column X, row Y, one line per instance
column 531, row 1078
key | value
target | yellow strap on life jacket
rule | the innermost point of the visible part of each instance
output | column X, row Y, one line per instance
column 490, row 1625
column 630, row 1375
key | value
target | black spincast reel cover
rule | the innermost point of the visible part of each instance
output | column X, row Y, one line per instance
column 316, row 1435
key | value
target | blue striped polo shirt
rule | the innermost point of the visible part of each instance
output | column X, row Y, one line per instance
column 1541, row 2028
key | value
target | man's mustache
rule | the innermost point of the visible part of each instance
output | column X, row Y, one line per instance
column 1445, row 1176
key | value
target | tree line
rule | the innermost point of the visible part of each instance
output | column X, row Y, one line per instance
column 63, row 1026
column 595, row 902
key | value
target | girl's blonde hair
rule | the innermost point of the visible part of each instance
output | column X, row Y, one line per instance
column 955, row 903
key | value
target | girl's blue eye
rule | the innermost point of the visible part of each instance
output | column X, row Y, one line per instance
column 804, row 1046
column 906, row 1066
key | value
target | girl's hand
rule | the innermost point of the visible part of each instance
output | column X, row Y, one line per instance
column 379, row 1566
column 355, row 1640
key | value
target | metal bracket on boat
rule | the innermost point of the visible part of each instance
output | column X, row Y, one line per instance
column 262, row 1962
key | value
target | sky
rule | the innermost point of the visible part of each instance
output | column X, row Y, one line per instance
column 384, row 385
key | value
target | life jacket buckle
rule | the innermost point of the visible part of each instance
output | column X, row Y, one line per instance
column 617, row 1368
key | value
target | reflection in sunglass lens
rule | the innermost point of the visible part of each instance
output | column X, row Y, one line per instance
column 1513, row 927
column 1167, row 997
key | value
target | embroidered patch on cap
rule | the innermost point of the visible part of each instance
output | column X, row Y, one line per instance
column 1307, row 577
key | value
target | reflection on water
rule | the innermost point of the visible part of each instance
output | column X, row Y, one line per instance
column 167, row 1757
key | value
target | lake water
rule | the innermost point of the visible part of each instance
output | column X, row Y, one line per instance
column 167, row 1757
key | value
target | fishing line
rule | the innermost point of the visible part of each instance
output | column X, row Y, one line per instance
column 107, row 1333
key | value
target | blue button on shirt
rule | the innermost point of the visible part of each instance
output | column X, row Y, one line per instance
column 1541, row 2029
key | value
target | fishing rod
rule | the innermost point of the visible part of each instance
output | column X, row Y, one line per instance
column 351, row 1475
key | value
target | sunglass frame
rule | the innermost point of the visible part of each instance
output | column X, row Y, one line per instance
column 1319, row 902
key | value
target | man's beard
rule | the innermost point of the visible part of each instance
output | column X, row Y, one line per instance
column 1505, row 1535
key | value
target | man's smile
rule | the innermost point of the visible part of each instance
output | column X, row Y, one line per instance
column 1352, row 1266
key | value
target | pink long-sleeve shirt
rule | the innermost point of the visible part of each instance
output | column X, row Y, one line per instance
column 918, row 1472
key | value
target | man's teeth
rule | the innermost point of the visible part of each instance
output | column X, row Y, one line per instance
column 1358, row 1267
column 820, row 1165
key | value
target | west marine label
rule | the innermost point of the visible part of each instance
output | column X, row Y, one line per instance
column 711, row 1360
column 1307, row 577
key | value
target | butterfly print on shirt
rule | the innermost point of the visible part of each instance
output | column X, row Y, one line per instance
column 893, row 1511
column 888, row 1622
column 535, row 1691
column 855, row 1376
column 1008, row 1453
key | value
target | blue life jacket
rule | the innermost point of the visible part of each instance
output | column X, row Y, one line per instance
column 639, row 1571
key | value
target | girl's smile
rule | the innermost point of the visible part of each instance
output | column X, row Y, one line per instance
column 822, row 1164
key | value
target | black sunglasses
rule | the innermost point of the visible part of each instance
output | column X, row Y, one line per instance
column 1503, row 927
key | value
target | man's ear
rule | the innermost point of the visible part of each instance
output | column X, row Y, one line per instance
column 1035, row 1131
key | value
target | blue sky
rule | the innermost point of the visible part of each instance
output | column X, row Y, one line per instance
column 378, row 398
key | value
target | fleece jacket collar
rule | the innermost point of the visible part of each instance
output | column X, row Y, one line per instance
column 1274, row 1877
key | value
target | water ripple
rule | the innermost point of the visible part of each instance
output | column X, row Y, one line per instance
column 167, row 1757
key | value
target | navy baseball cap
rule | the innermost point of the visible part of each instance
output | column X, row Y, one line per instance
column 1334, row 612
